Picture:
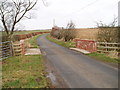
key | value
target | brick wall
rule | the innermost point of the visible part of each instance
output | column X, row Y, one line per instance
column 88, row 45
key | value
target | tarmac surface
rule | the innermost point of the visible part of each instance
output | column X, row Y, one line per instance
column 77, row 70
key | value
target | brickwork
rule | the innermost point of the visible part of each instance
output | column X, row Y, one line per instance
column 87, row 45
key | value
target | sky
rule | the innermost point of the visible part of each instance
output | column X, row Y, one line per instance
column 119, row 14
column 84, row 13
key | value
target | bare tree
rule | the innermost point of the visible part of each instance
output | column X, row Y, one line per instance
column 69, row 33
column 70, row 25
column 11, row 13
column 108, row 33
column 112, row 24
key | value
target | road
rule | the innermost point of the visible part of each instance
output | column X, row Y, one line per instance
column 78, row 70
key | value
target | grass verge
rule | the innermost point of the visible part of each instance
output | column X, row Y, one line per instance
column 97, row 56
column 24, row 72
column 32, row 41
column 62, row 43
column 103, row 57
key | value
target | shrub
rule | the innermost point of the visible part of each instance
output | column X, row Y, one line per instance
column 68, row 35
column 60, row 34
column 108, row 34
column 57, row 34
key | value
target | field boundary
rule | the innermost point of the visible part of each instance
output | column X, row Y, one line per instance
column 5, row 49
column 112, row 49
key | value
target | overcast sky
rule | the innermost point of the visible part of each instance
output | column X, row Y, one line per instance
column 84, row 13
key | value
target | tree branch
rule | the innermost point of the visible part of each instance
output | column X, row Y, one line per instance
column 12, row 12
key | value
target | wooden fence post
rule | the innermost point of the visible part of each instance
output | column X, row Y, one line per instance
column 23, row 46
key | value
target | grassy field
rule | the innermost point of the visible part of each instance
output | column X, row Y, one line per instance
column 24, row 72
column 26, row 32
column 62, row 43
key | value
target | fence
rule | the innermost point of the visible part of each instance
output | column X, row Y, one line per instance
column 18, row 48
column 112, row 49
column 5, row 49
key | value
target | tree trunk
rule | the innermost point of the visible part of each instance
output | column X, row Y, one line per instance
column 11, row 44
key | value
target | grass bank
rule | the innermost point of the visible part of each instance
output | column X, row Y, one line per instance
column 24, row 72
column 60, row 42
column 103, row 57
column 32, row 41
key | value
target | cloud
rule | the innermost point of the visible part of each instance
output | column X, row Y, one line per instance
column 84, row 13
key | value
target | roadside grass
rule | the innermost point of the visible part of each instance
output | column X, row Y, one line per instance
column 32, row 41
column 62, row 43
column 24, row 72
column 97, row 56
column 103, row 57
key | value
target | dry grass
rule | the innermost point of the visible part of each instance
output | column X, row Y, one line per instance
column 87, row 33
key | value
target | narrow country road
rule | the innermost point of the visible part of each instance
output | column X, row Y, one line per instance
column 78, row 70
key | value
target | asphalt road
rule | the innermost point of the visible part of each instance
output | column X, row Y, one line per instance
column 78, row 70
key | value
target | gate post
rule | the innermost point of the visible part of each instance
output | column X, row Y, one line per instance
column 23, row 47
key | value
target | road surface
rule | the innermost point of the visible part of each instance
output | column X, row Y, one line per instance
column 78, row 70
